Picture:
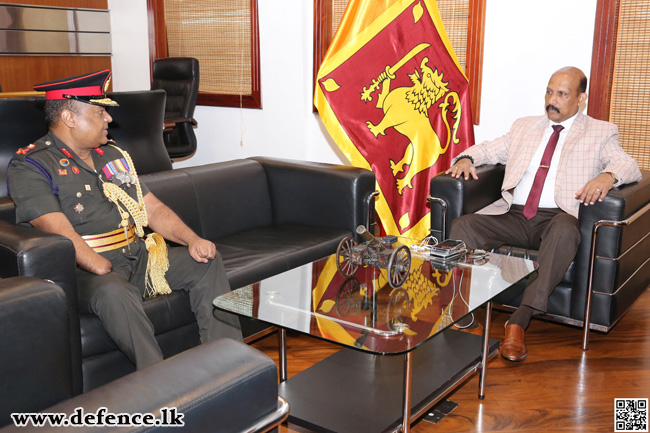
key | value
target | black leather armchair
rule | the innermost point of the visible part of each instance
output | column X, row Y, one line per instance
column 223, row 386
column 179, row 77
column 611, row 268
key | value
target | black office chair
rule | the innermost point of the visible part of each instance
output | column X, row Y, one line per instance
column 179, row 77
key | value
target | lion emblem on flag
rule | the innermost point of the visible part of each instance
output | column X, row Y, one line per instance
column 406, row 109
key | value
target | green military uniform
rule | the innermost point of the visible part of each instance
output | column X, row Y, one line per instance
column 48, row 177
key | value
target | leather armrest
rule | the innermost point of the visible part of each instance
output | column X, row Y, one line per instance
column 620, row 204
column 26, row 251
column 318, row 194
column 464, row 196
column 35, row 362
column 7, row 209
column 170, row 124
column 223, row 385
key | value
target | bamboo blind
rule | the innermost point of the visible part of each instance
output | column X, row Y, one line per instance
column 454, row 14
column 218, row 34
column 455, row 17
column 630, row 105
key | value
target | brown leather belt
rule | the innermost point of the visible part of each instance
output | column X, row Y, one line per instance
column 112, row 240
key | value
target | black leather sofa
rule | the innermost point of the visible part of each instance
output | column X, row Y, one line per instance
column 222, row 386
column 617, row 267
column 265, row 215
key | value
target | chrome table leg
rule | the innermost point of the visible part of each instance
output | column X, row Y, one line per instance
column 283, row 354
column 408, row 373
column 485, row 349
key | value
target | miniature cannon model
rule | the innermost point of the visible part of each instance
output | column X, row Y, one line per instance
column 378, row 252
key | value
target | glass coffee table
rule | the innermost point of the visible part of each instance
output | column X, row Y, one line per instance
column 402, row 350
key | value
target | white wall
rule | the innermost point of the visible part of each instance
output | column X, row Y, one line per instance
column 525, row 42
column 130, row 40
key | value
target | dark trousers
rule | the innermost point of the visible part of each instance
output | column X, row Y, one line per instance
column 116, row 298
column 553, row 232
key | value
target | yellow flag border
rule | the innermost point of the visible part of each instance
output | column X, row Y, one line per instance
column 333, row 59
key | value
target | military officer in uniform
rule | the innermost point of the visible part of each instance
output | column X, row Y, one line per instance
column 73, row 182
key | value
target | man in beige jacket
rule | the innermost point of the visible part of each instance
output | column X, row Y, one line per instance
column 554, row 163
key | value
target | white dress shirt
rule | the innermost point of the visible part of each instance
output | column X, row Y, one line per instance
column 522, row 190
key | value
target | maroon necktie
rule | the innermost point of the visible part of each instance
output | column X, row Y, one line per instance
column 530, row 209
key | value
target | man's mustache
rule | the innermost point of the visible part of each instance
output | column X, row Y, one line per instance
column 552, row 107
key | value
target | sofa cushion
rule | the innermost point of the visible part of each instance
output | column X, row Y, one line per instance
column 175, row 189
column 216, row 200
column 232, row 197
column 165, row 312
column 253, row 255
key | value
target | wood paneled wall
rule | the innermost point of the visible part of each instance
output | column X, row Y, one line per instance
column 20, row 73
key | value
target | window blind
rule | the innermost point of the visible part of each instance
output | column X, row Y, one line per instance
column 218, row 34
column 630, row 103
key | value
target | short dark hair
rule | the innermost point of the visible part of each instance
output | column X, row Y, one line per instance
column 55, row 107
column 582, row 87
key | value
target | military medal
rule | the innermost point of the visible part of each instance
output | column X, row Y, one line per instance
column 79, row 208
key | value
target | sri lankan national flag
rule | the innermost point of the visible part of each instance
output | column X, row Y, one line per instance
column 393, row 97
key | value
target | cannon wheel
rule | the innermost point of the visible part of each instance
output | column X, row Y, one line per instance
column 399, row 265
column 399, row 308
column 345, row 297
column 344, row 257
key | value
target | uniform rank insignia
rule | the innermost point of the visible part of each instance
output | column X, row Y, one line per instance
column 24, row 151
column 66, row 153
column 99, row 150
column 63, row 172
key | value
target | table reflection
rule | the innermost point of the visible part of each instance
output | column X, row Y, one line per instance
column 364, row 311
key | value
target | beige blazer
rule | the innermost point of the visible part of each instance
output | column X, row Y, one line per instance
column 590, row 148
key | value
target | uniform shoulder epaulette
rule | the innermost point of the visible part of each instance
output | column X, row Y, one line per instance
column 34, row 147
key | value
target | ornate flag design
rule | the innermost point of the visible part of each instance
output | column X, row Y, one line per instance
column 393, row 97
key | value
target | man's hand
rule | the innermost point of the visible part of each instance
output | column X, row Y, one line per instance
column 462, row 167
column 97, row 264
column 202, row 250
column 596, row 189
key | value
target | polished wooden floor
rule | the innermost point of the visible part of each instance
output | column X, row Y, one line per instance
column 559, row 388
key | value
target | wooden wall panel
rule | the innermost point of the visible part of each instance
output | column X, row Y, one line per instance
column 20, row 73
column 87, row 4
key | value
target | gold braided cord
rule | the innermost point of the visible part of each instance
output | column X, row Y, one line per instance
column 157, row 266
column 116, row 195
column 158, row 262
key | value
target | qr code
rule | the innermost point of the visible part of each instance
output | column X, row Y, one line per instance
column 631, row 414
